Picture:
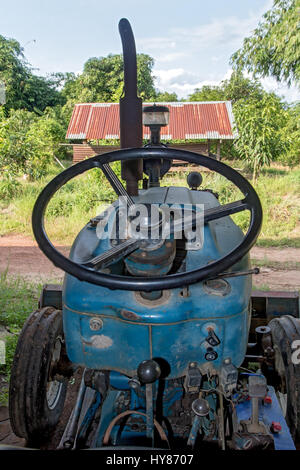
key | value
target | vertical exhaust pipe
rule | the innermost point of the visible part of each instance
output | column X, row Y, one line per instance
column 131, row 127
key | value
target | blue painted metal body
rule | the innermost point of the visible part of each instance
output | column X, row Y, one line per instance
column 268, row 413
column 174, row 330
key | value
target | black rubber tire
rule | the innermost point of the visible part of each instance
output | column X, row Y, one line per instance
column 285, row 330
column 29, row 411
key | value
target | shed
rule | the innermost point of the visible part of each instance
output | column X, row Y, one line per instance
column 193, row 125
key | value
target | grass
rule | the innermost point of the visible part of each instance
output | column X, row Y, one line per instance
column 87, row 195
column 280, row 265
column 263, row 287
column 18, row 299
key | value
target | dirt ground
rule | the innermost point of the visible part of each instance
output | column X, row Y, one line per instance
column 280, row 267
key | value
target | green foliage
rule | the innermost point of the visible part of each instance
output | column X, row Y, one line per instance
column 23, row 88
column 9, row 187
column 207, row 93
column 18, row 299
column 255, row 121
column 259, row 123
column 237, row 87
column 165, row 96
column 267, row 130
column 274, row 47
column 102, row 80
column 27, row 143
column 291, row 133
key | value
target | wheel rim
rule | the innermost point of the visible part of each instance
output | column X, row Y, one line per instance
column 281, row 394
column 54, row 387
column 53, row 393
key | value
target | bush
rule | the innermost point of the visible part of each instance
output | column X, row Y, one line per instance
column 9, row 188
column 28, row 143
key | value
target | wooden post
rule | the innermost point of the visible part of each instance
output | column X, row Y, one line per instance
column 219, row 150
column 208, row 147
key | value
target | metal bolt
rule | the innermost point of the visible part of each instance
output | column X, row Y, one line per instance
column 96, row 324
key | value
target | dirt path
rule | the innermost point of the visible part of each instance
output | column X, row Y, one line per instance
column 21, row 256
column 280, row 267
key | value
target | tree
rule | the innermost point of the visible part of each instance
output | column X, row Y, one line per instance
column 235, row 88
column 102, row 80
column 259, row 117
column 274, row 47
column 13, row 71
column 165, row 96
column 28, row 142
column 239, row 87
column 207, row 93
column 259, row 123
column 23, row 88
column 291, row 133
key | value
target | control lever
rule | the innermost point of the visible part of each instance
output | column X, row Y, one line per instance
column 148, row 372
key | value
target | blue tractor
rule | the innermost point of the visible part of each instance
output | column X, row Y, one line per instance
column 155, row 310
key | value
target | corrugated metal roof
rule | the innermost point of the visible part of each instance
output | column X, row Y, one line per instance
column 190, row 120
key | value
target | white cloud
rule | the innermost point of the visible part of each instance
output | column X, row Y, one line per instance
column 183, row 83
column 189, row 58
column 290, row 94
column 228, row 30
column 224, row 31
column 156, row 43
column 180, row 81
column 169, row 57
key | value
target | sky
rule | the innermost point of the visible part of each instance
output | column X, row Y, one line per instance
column 190, row 41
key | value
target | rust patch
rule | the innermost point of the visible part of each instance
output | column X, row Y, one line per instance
column 130, row 315
column 101, row 341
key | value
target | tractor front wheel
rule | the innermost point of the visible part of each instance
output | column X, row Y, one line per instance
column 36, row 395
column 286, row 335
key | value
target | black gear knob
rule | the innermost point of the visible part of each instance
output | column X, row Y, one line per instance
column 148, row 371
column 194, row 179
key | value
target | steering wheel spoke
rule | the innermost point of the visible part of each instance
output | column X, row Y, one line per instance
column 190, row 221
column 224, row 210
column 114, row 254
column 116, row 183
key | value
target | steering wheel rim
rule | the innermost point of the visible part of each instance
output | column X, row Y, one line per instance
column 250, row 202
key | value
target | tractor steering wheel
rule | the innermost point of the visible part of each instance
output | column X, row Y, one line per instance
column 250, row 202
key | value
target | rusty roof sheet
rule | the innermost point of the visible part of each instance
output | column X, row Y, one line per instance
column 189, row 120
